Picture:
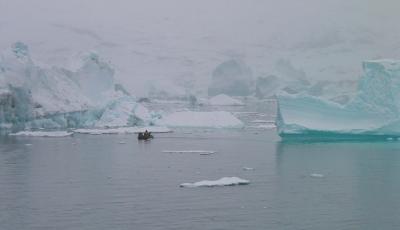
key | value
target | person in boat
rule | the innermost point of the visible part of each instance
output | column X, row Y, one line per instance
column 145, row 136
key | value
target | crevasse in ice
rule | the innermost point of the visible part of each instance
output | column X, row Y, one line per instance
column 373, row 111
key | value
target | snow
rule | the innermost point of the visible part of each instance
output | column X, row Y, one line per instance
column 224, row 100
column 225, row 181
column 201, row 152
column 216, row 119
column 123, row 130
column 373, row 111
column 42, row 133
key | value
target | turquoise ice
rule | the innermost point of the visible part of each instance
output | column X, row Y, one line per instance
column 374, row 111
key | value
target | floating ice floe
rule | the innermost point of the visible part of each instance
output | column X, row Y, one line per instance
column 201, row 152
column 42, row 133
column 317, row 175
column 248, row 169
column 225, row 181
column 215, row 119
column 124, row 130
column 224, row 100
column 373, row 112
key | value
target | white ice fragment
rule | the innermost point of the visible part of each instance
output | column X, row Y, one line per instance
column 42, row 133
column 248, row 169
column 201, row 152
column 317, row 175
column 225, row 181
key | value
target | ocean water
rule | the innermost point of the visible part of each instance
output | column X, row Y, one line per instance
column 118, row 182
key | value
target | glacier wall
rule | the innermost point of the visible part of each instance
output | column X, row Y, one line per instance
column 373, row 111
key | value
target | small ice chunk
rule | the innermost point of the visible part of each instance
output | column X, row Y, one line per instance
column 201, row 152
column 28, row 144
column 247, row 169
column 42, row 133
column 225, row 181
column 122, row 142
column 317, row 175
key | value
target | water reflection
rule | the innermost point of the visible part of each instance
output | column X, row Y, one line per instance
column 359, row 188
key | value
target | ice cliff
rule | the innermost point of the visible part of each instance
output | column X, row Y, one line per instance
column 374, row 110
column 32, row 96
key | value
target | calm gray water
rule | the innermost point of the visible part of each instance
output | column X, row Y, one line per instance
column 94, row 182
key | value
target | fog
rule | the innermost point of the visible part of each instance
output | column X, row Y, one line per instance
column 181, row 42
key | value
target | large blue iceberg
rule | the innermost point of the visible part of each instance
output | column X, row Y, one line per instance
column 373, row 112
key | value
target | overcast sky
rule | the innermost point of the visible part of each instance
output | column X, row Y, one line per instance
column 173, row 39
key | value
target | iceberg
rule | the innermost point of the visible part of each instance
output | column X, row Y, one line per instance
column 337, row 91
column 267, row 86
column 215, row 119
column 224, row 100
column 373, row 112
column 43, row 133
column 124, row 111
column 225, row 181
column 33, row 97
column 232, row 78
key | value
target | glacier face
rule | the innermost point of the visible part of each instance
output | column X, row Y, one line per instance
column 373, row 111
column 35, row 97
